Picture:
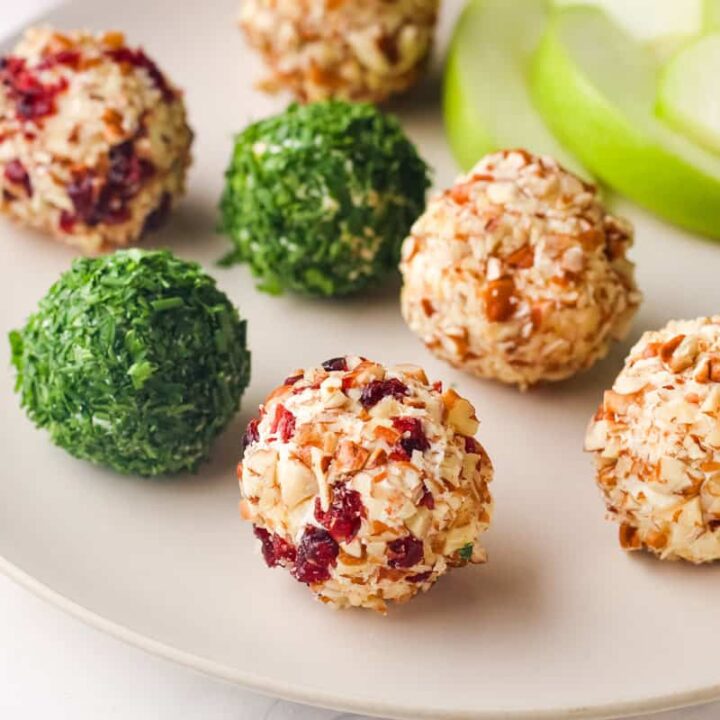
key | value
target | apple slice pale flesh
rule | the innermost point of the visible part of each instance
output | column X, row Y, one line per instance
column 650, row 20
column 665, row 25
column 487, row 104
column 596, row 88
column 689, row 96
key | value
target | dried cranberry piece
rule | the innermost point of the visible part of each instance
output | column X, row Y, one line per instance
column 413, row 435
column 472, row 446
column 265, row 538
column 427, row 499
column 126, row 175
column 316, row 554
column 335, row 364
column 405, row 552
column 343, row 517
column 110, row 203
column 376, row 390
column 398, row 454
column 68, row 57
column 120, row 156
column 420, row 577
column 283, row 423
column 110, row 208
column 252, row 434
column 292, row 379
column 127, row 171
column 33, row 99
column 138, row 58
column 67, row 221
column 81, row 193
column 71, row 58
column 16, row 173
column 275, row 550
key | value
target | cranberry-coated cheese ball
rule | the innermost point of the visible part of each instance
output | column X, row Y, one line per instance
column 518, row 273
column 656, row 442
column 366, row 483
column 321, row 49
column 94, row 143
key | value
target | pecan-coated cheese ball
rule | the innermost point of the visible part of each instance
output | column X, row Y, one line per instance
column 656, row 442
column 94, row 142
column 366, row 483
column 518, row 273
column 320, row 49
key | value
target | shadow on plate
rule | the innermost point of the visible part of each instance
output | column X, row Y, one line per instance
column 424, row 97
column 191, row 230
column 647, row 562
column 506, row 593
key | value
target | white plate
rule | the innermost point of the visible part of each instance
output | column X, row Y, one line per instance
column 560, row 623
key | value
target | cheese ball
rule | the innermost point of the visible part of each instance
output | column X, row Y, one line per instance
column 134, row 360
column 319, row 198
column 94, row 142
column 320, row 49
column 366, row 483
column 518, row 273
column 656, row 442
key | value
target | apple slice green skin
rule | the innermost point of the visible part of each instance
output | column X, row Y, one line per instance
column 486, row 101
column 688, row 97
column 596, row 89
column 712, row 15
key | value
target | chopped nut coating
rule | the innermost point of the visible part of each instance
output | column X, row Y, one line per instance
column 378, row 489
column 94, row 140
column 518, row 273
column 320, row 49
column 656, row 442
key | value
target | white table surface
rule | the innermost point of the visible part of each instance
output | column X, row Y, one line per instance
column 53, row 666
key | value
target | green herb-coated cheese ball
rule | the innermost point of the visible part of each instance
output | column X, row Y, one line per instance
column 134, row 360
column 319, row 198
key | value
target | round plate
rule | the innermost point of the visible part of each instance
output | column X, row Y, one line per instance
column 560, row 623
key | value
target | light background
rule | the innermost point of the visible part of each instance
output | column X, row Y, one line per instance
column 52, row 667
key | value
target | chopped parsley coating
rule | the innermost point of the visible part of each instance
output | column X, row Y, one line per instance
column 134, row 360
column 319, row 198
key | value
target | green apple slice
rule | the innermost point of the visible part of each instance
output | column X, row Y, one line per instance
column 487, row 104
column 596, row 88
column 688, row 96
column 712, row 15
column 650, row 20
column 665, row 25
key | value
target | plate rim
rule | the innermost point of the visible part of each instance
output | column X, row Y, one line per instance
column 327, row 700
column 297, row 693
